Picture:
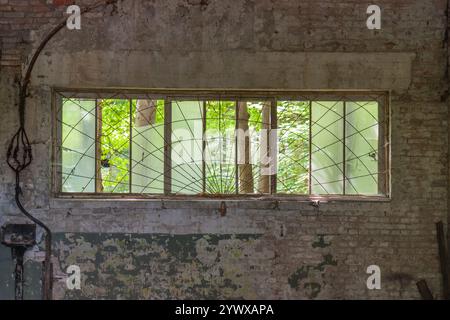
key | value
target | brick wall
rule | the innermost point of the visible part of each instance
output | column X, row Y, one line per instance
column 146, row 249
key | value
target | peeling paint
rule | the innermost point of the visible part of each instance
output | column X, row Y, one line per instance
column 131, row 266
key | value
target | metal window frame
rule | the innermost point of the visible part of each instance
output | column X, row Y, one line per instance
column 273, row 95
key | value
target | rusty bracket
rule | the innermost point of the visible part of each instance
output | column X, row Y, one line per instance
column 223, row 209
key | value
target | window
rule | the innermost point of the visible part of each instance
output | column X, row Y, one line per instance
column 222, row 143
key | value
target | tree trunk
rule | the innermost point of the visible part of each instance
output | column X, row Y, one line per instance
column 145, row 113
column 244, row 165
column 264, row 180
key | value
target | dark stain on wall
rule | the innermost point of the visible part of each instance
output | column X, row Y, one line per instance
column 310, row 278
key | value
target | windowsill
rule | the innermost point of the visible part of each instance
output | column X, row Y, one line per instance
column 218, row 198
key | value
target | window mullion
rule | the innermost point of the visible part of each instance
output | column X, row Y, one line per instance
column 98, row 146
column 273, row 150
column 58, row 106
column 204, row 147
column 167, row 146
column 344, row 169
column 383, row 146
column 310, row 149
column 236, row 149
column 130, row 156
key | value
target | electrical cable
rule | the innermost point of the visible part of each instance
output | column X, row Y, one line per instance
column 19, row 155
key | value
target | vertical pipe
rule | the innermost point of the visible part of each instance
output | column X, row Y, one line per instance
column 48, row 267
column 443, row 259
column 18, row 253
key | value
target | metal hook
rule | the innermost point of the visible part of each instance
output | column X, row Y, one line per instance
column 315, row 204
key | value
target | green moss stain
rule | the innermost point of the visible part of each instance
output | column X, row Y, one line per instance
column 312, row 289
column 328, row 260
column 300, row 274
column 182, row 247
column 310, row 277
column 320, row 242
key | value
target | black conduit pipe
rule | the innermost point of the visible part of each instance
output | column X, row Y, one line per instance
column 19, row 155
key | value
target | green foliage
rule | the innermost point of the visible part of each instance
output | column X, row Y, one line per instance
column 293, row 148
column 293, row 120
column 159, row 119
column 115, row 142
column 220, row 124
column 293, row 123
